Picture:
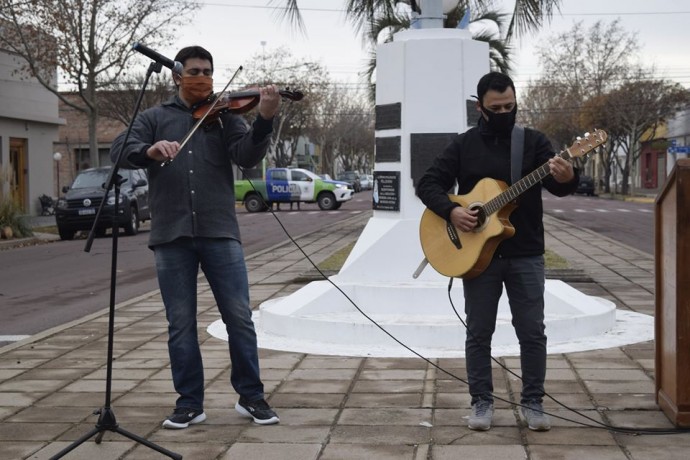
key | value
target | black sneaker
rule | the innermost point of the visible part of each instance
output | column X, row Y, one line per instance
column 259, row 410
column 182, row 417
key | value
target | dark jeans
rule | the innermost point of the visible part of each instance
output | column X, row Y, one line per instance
column 523, row 278
column 222, row 261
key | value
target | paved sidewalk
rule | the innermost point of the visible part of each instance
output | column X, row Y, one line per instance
column 334, row 407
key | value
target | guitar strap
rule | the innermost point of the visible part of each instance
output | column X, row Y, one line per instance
column 517, row 147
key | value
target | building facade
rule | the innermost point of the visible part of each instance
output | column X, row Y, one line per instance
column 29, row 125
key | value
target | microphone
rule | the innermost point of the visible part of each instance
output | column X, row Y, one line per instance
column 175, row 66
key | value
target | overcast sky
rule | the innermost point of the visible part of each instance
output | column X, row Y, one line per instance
column 233, row 30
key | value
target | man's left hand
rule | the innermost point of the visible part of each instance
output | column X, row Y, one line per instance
column 561, row 170
column 269, row 101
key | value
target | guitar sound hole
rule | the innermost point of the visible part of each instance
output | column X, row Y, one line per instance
column 481, row 217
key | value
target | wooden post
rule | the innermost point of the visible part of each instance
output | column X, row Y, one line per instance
column 672, row 293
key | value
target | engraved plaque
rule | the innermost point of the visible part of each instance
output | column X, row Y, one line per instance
column 388, row 149
column 386, row 195
column 424, row 147
column 388, row 116
column 472, row 113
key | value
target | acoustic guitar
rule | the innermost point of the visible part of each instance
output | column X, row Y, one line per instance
column 467, row 254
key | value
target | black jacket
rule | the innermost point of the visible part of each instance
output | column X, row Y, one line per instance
column 479, row 153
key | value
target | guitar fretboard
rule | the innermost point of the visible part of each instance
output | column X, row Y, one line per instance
column 521, row 186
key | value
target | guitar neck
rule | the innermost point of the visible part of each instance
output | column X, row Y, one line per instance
column 521, row 186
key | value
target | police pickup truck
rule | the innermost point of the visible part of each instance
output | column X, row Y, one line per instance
column 288, row 185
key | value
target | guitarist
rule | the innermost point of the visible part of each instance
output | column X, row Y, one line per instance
column 518, row 262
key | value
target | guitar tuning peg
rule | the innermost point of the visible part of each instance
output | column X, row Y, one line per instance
column 578, row 138
column 587, row 134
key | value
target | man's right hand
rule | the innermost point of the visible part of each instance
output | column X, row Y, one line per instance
column 163, row 150
column 464, row 219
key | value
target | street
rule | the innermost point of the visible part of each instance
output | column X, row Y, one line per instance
column 50, row 284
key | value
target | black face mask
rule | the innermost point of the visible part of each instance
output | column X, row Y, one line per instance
column 500, row 123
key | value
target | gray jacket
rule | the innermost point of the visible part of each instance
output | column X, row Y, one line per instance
column 193, row 196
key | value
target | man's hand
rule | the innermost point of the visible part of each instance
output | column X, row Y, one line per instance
column 163, row 150
column 269, row 101
column 464, row 219
column 561, row 170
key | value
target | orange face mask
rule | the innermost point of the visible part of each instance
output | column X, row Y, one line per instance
column 195, row 88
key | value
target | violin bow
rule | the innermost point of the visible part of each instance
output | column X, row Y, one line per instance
column 201, row 120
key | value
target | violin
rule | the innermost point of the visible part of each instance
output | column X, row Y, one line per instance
column 235, row 102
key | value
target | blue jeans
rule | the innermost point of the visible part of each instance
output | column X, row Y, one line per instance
column 222, row 261
column 523, row 278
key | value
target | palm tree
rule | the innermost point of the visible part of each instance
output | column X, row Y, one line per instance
column 528, row 15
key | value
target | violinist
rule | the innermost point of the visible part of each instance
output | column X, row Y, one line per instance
column 194, row 226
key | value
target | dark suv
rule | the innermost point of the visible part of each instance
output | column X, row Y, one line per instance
column 585, row 186
column 76, row 210
column 352, row 178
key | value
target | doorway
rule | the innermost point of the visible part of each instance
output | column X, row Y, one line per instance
column 18, row 172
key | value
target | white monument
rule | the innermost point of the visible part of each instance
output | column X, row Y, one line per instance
column 425, row 79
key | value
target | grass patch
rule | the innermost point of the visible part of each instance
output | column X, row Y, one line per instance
column 554, row 261
column 336, row 260
column 48, row 229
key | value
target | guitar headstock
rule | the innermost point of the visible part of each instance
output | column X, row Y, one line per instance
column 583, row 145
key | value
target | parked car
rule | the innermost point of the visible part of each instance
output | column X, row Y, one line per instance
column 351, row 177
column 366, row 182
column 585, row 186
column 76, row 210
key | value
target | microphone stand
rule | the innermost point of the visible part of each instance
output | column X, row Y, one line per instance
column 106, row 416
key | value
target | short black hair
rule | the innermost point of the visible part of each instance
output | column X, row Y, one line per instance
column 190, row 52
column 496, row 81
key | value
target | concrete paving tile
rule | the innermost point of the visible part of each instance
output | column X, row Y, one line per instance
column 285, row 434
column 395, row 363
column 12, row 450
column 6, row 374
column 498, row 435
column 283, row 361
column 393, row 374
column 620, row 386
column 388, row 386
column 8, row 362
column 584, row 362
column 453, row 400
column 639, row 419
column 380, row 435
column 6, row 412
column 669, row 452
column 88, row 450
column 459, row 417
column 562, row 436
column 44, row 414
column 322, row 374
column 324, row 362
column 613, row 374
column 89, row 386
column 368, row 451
column 377, row 400
column 13, row 399
column 621, row 401
column 31, row 431
column 385, row 416
column 321, row 386
column 32, row 386
column 122, row 374
column 278, row 451
column 189, row 451
column 306, row 400
column 576, row 453
column 509, row 452
column 680, row 439
column 199, row 433
column 312, row 416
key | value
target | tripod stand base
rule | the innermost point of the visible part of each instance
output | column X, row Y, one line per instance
column 107, row 422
